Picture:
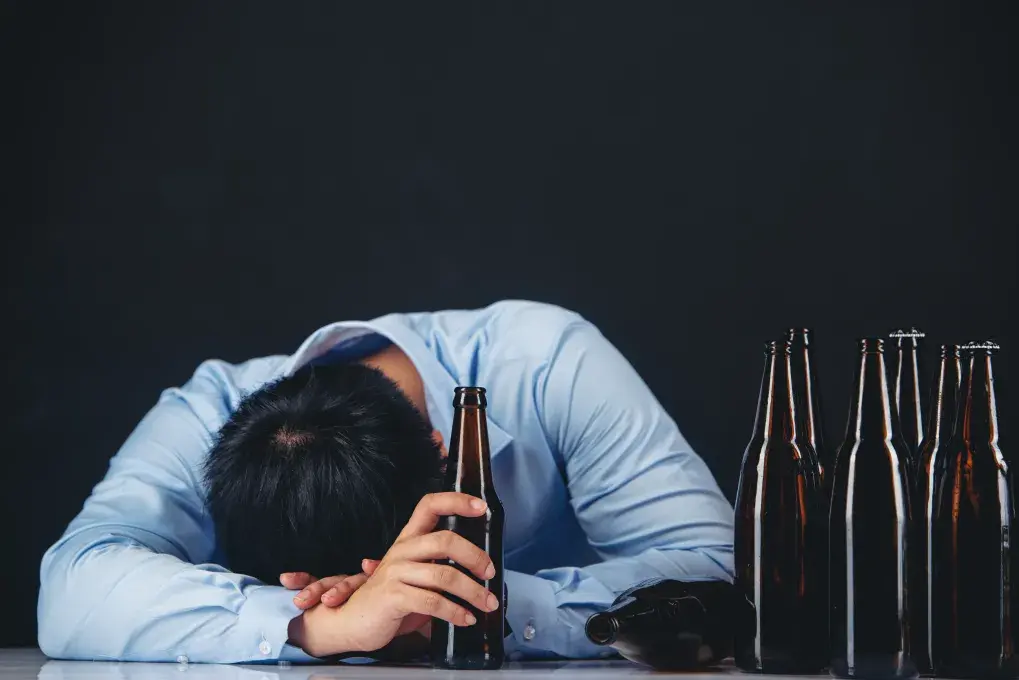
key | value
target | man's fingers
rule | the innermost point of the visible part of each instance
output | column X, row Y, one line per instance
column 342, row 591
column 446, row 579
column 311, row 595
column 295, row 580
column 435, row 505
column 369, row 566
column 442, row 545
column 411, row 600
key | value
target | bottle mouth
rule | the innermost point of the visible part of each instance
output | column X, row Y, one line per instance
column 988, row 346
column 469, row 396
column 601, row 629
column 871, row 345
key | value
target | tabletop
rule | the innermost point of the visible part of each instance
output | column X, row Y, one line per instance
column 25, row 664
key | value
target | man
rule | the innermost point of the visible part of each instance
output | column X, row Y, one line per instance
column 324, row 462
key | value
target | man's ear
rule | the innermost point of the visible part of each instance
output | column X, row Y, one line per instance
column 437, row 438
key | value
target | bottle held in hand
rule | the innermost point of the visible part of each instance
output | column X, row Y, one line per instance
column 469, row 471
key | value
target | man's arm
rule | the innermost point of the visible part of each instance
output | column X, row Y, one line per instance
column 648, row 503
column 125, row 580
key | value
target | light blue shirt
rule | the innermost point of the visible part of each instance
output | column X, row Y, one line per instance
column 601, row 491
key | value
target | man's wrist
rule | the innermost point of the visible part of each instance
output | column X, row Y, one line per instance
column 317, row 632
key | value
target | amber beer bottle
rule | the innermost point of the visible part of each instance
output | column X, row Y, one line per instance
column 941, row 415
column 469, row 470
column 906, row 391
column 869, row 534
column 804, row 374
column 777, row 543
column 972, row 553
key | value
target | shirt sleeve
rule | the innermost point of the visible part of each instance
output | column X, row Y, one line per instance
column 648, row 503
column 127, row 581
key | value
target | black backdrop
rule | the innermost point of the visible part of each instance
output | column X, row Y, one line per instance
column 189, row 180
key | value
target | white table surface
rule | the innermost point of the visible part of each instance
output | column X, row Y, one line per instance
column 25, row 664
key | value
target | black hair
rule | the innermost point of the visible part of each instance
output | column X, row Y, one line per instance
column 316, row 471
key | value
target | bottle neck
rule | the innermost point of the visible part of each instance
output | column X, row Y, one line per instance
column 469, row 465
column 907, row 391
column 944, row 400
column 802, row 371
column 870, row 413
column 979, row 413
column 776, row 407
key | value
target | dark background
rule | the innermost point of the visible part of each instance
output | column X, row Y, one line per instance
column 195, row 180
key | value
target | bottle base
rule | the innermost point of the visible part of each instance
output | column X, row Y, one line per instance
column 469, row 663
column 874, row 667
column 781, row 666
column 979, row 667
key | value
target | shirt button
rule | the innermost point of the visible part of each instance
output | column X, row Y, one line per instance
column 265, row 647
column 529, row 631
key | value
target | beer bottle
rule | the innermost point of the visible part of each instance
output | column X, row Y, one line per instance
column 869, row 534
column 672, row 625
column 469, row 470
column 804, row 373
column 941, row 415
column 907, row 392
column 972, row 553
column 776, row 544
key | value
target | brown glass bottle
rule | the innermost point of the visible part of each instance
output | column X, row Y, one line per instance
column 941, row 414
column 672, row 625
column 778, row 547
column 907, row 392
column 869, row 534
column 469, row 470
column 805, row 386
column 972, row 553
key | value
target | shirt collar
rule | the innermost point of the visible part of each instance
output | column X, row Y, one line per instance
column 438, row 382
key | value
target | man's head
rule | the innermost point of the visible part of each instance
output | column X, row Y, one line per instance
column 317, row 471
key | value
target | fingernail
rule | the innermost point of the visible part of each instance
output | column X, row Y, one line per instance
column 493, row 602
column 288, row 574
column 470, row 619
column 490, row 572
column 302, row 596
column 478, row 505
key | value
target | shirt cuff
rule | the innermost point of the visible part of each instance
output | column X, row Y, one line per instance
column 267, row 614
column 532, row 614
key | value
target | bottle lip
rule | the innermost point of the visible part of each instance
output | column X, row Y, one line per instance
column 871, row 345
column 602, row 629
column 469, row 396
column 776, row 347
column 951, row 349
column 913, row 332
column 988, row 346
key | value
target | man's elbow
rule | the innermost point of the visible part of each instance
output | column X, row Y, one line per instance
column 53, row 629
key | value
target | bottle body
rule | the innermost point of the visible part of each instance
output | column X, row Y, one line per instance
column 869, row 535
column 941, row 417
column 468, row 470
column 778, row 544
column 972, row 555
column 672, row 625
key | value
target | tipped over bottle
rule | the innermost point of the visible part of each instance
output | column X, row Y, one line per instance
column 672, row 625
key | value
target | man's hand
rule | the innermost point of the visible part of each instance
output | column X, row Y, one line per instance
column 403, row 591
column 331, row 591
